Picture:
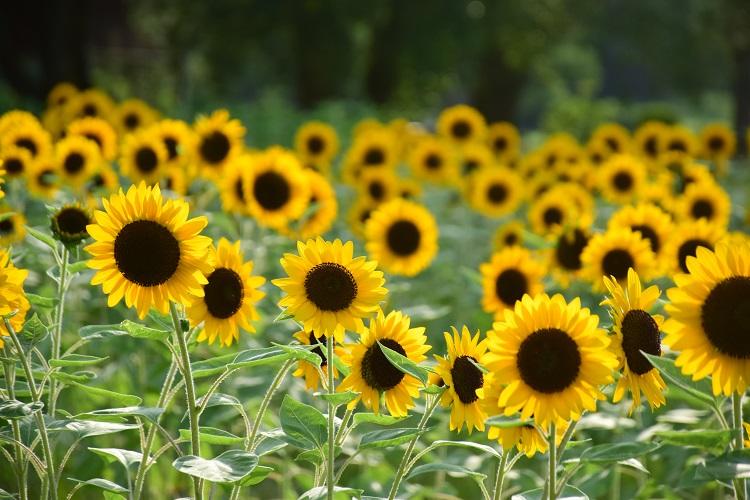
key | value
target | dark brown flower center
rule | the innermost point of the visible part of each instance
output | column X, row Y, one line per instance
column 223, row 293
column 72, row 221
column 647, row 233
column 376, row 190
column 374, row 156
column 13, row 166
column 172, row 147
column 271, row 190
column 403, row 237
column 433, row 161
column 467, row 378
column 146, row 253
column 214, row 147
column 639, row 333
column 74, row 163
column 548, row 360
column 510, row 286
column 330, row 286
column 497, row 193
column 569, row 249
column 146, row 160
column 28, row 144
column 689, row 249
column 377, row 371
column 460, row 129
column 131, row 121
column 616, row 263
column 552, row 216
column 623, row 181
column 702, row 208
column 315, row 144
column 725, row 316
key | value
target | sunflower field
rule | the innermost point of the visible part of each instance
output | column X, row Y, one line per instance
column 207, row 300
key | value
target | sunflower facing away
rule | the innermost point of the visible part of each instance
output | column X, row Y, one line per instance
column 708, row 317
column 635, row 330
column 308, row 371
column 553, row 358
column 229, row 297
column 12, row 296
column 613, row 253
column 465, row 381
column 328, row 290
column 510, row 273
column 402, row 237
column 147, row 251
column 373, row 376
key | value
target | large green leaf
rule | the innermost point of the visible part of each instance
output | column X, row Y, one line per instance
column 304, row 426
column 212, row 435
column 100, row 332
column 11, row 409
column 404, row 364
column 452, row 469
column 731, row 465
column 339, row 492
column 143, row 332
column 125, row 399
column 76, row 360
column 708, row 439
column 609, row 453
column 230, row 467
column 127, row 458
column 42, row 302
column 88, row 428
column 339, row 398
column 103, row 484
column 700, row 390
column 386, row 438
column 372, row 418
column 243, row 359
column 149, row 413
column 34, row 331
column 257, row 475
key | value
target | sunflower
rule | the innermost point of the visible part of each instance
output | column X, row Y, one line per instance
column 322, row 210
column 647, row 219
column 12, row 296
column 717, row 142
column 144, row 157
column 707, row 322
column 613, row 136
column 229, row 297
column 133, row 114
column 704, row 200
column 621, row 177
column 103, row 182
column 433, row 160
column 375, row 148
column 275, row 187
column 16, row 118
column 475, row 156
column 175, row 181
column 307, row 370
column 409, row 189
column 402, row 237
column 635, row 330
column 99, row 131
column 69, row 223
column 504, row 140
column 686, row 239
column 179, row 140
column 565, row 256
column 147, row 251
column 316, row 142
column 552, row 356
column 378, row 185
column 508, row 235
column 77, row 159
column 648, row 139
column 16, row 162
column 681, row 139
column 219, row 139
column 328, row 290
column 42, row 178
column 551, row 213
column 495, row 192
column 12, row 227
column 373, row 376
column 358, row 214
column 613, row 253
column 464, row 379
column 691, row 173
column 89, row 102
column 60, row 94
column 29, row 136
column 597, row 153
column 510, row 273
column 582, row 200
column 461, row 124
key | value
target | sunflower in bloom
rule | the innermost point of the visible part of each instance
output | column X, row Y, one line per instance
column 504, row 140
column 635, row 330
column 328, row 290
column 565, row 256
column 621, row 178
column 175, row 181
column 275, row 187
column 495, row 192
column 29, row 136
column 105, row 181
column 42, row 178
column 232, row 184
column 461, row 124
column 133, row 114
column 60, row 94
column 147, row 251
column 704, row 200
column 375, row 148
column 409, row 189
column 372, row 375
column 717, row 142
column 402, row 237
column 613, row 136
column 77, row 159
column 12, row 227
column 89, row 102
column 508, row 235
column 358, row 214
column 219, row 139
column 648, row 139
column 322, row 208
column 306, row 369
column 553, row 358
column 229, row 297
column 551, row 213
column 378, row 185
column 144, row 157
column 510, row 273
column 686, row 239
column 614, row 252
column 16, row 162
column 69, row 223
column 433, row 160
column 682, row 140
column 98, row 130
column 179, row 139
column 465, row 381
column 12, row 296
column 648, row 220
column 316, row 143
column 475, row 156
column 707, row 322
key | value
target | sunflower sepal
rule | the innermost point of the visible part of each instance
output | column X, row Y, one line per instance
column 404, row 364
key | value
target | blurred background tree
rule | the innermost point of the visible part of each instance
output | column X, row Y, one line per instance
column 554, row 64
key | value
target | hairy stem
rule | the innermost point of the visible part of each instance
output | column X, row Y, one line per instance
column 57, row 328
column 331, row 418
column 552, row 472
column 497, row 492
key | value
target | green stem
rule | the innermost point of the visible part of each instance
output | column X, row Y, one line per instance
column 36, row 397
column 402, row 468
column 740, row 488
column 57, row 330
column 565, row 439
column 140, row 475
column 552, row 472
column 340, row 434
column 614, row 492
column 187, row 375
column 20, row 459
column 500, row 476
column 331, row 418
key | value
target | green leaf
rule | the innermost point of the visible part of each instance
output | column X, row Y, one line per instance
column 568, row 493
column 304, row 426
column 700, row 438
column 43, row 302
column 76, row 360
column 340, row 398
column 468, row 444
column 4, row 495
column 258, row 475
column 230, row 467
column 77, row 267
column 34, row 330
column 734, row 464
column 404, row 364
column 88, row 428
column 97, row 332
column 371, row 418
column 301, row 353
column 339, row 492
column 386, row 438
column 243, row 359
column 149, row 413
column 314, row 457
column 609, row 453
column 219, row 399
column 125, row 399
column 478, row 366
column 126, row 457
column 504, row 422
column 103, row 484
column 700, row 390
column 451, row 469
column 283, row 316
column 10, row 409
column 212, row 435
column 143, row 332
column 43, row 237
column 271, row 442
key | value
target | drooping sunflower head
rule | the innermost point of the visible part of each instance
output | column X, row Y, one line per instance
column 12, row 227
column 504, row 140
column 219, row 139
column 402, row 237
column 13, row 298
column 507, row 277
column 144, row 157
column 686, row 239
column 717, row 141
column 307, row 370
column 28, row 135
column 613, row 136
column 460, row 372
column 69, row 223
column 704, row 200
column 147, row 251
column 77, row 159
column 229, row 297
column 328, row 290
column 508, row 235
column 552, row 357
column 708, row 317
column 433, row 160
column 275, row 187
column 373, row 376
column 614, row 252
column 649, row 138
column 495, row 192
column 621, row 178
column 98, row 130
column 316, row 142
column 461, row 124
column 636, row 330
column 134, row 114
